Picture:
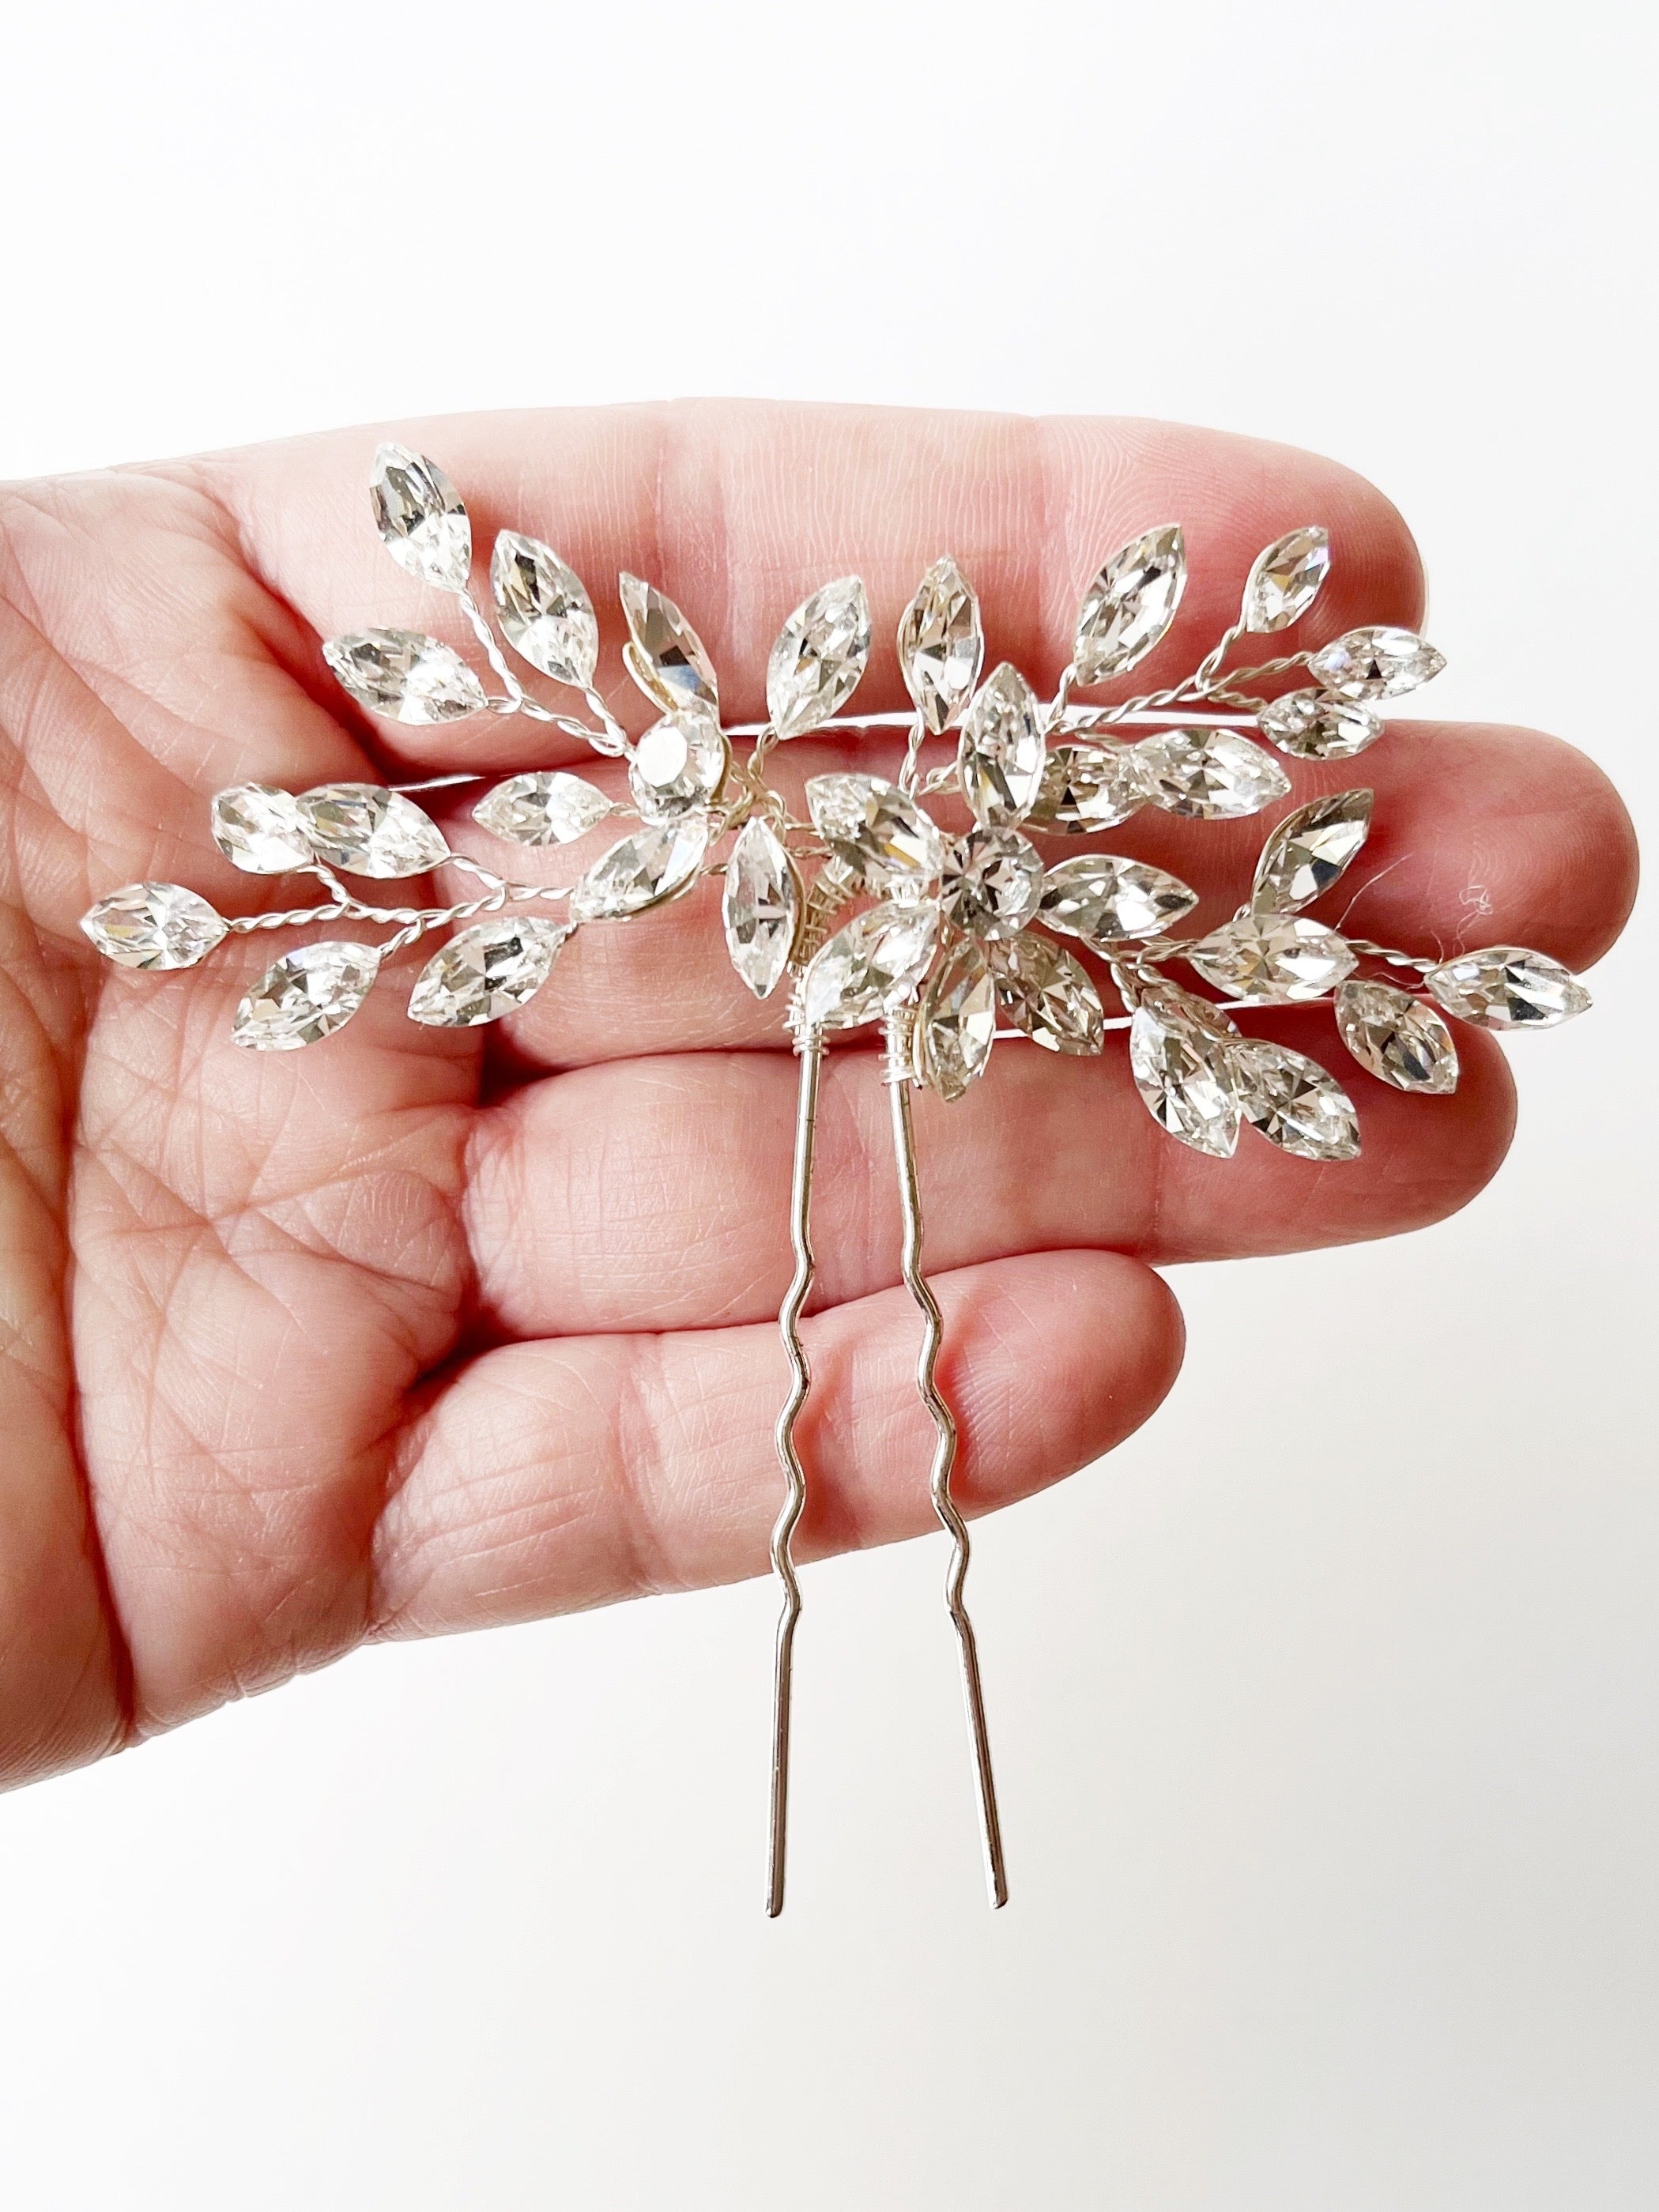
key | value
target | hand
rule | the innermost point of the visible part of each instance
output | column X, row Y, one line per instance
column 423, row 1330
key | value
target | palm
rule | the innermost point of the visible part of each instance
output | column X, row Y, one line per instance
column 426, row 1330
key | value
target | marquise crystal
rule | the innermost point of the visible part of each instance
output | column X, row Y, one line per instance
column 306, row 996
column 1400, row 1040
column 761, row 906
column 545, row 613
column 1181, row 1072
column 870, row 968
column 1309, row 849
column 1275, row 957
column 545, row 806
column 1507, row 987
column 1000, row 754
column 1215, row 775
column 1130, row 606
column 1375, row 663
column 1048, row 994
column 261, row 830
column 406, row 677
column 419, row 514
column 154, row 926
column 820, row 655
column 1104, row 899
column 1309, row 725
column 486, row 971
column 642, row 871
column 1088, row 787
column 1286, row 580
column 1292, row 1101
column 958, row 1022
column 664, row 654
column 881, row 836
column 370, row 831
column 941, row 645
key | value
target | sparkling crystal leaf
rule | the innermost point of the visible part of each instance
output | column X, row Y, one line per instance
column 941, row 645
column 1310, row 726
column 1375, row 663
column 261, row 830
column 664, row 655
column 1293, row 1101
column 484, row 972
column 678, row 766
column 1130, row 606
column 761, row 906
column 1049, row 995
column 1286, row 580
column 543, row 807
column 418, row 513
column 154, row 926
column 1400, row 1039
column 958, row 1024
column 1104, row 899
column 1203, row 1013
column 1309, row 849
column 654, row 865
column 870, row 968
column 1088, row 787
column 545, row 609
column 1507, row 987
column 881, row 836
column 820, row 653
column 370, row 831
column 1215, row 775
column 1000, row 756
column 1276, row 958
column 306, row 996
column 1181, row 1072
column 405, row 676
column 991, row 882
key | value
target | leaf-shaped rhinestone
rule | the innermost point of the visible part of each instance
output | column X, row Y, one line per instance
column 678, row 766
column 869, row 968
column 154, row 926
column 1276, row 958
column 485, row 971
column 990, row 883
column 307, row 996
column 1130, row 606
column 664, row 655
column 1088, row 787
column 1201, row 1013
column 642, row 871
column 1049, row 995
column 1293, row 1101
column 404, row 676
column 545, row 609
column 941, row 645
column 261, row 830
column 879, row 835
column 761, row 906
column 1000, row 754
column 958, row 1024
column 1214, row 774
column 1286, row 580
column 1375, row 663
column 1401, row 1039
column 418, row 513
column 1310, row 726
column 820, row 653
column 1181, row 1072
column 370, row 830
column 1507, row 987
column 544, row 807
column 1309, row 849
column 1103, row 900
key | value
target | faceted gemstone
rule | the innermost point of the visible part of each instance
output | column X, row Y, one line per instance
column 1286, row 580
column 869, row 968
column 545, row 609
column 1180, row 1072
column 544, row 807
column 761, row 907
column 665, row 656
column 261, row 830
column 419, row 514
column 404, row 676
column 1088, row 788
column 881, row 836
column 1104, row 899
column 815, row 665
column 1217, row 774
column 991, row 882
column 678, row 766
column 1049, row 995
column 957, row 1024
column 307, row 996
column 941, row 645
column 154, row 926
column 485, row 971
column 370, row 831
column 1130, row 606
column 1375, row 663
column 1310, row 726
column 1293, row 1101
column 1001, row 753
column 1274, row 956
column 1400, row 1039
column 1202, row 1013
column 1309, row 849
column 642, row 871
column 1507, row 987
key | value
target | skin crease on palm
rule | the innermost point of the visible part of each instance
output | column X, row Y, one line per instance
column 419, row 1331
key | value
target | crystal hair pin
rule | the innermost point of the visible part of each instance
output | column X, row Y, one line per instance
column 877, row 910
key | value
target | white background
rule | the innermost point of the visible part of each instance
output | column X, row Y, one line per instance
column 1325, row 1711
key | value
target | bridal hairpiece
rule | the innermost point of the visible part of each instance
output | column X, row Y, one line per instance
column 957, row 937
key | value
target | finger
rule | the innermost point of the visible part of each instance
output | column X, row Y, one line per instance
column 551, row 1476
